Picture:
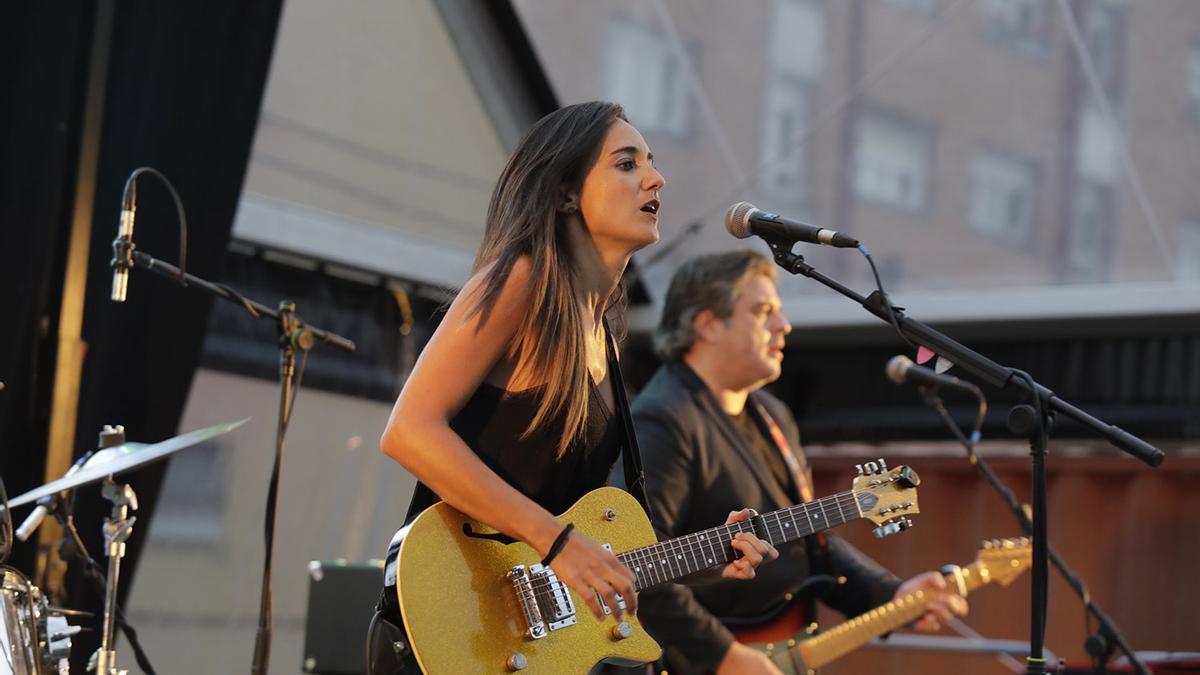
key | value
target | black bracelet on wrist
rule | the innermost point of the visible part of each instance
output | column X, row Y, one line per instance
column 558, row 544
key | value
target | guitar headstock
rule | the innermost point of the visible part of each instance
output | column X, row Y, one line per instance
column 886, row 496
column 1002, row 560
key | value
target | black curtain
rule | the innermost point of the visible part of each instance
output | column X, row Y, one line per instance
column 43, row 71
column 184, row 87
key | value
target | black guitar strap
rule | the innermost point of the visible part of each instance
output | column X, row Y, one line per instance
column 635, row 477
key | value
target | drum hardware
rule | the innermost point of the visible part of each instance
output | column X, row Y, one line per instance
column 36, row 638
column 117, row 528
column 121, row 457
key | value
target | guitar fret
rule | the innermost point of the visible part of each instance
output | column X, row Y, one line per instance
column 694, row 548
column 680, row 556
column 795, row 526
column 707, row 550
column 842, row 513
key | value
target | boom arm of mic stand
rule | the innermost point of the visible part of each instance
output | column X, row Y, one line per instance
column 973, row 362
column 171, row 272
column 1010, row 500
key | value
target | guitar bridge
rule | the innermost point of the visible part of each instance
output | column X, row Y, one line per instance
column 544, row 600
column 553, row 597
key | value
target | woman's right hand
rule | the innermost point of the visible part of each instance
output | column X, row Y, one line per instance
column 588, row 568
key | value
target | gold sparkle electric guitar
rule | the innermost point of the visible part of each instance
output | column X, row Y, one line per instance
column 475, row 601
column 799, row 650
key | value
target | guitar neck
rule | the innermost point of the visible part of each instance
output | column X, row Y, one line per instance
column 676, row 558
column 846, row 637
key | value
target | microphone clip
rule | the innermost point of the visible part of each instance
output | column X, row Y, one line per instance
column 122, row 254
column 789, row 260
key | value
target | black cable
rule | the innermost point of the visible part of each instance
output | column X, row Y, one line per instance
column 265, row 612
column 370, row 660
column 295, row 389
column 1091, row 610
column 93, row 571
column 887, row 304
column 6, row 526
column 129, row 200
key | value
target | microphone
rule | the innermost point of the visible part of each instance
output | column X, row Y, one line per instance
column 901, row 369
column 744, row 219
column 35, row 517
column 123, row 246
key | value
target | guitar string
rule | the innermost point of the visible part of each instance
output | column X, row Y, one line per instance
column 648, row 555
column 702, row 542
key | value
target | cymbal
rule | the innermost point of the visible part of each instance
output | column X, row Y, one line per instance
column 122, row 458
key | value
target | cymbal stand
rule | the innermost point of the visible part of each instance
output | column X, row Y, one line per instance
column 117, row 528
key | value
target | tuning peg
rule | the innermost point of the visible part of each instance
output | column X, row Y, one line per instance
column 882, row 465
column 887, row 529
column 904, row 524
column 872, row 468
column 907, row 477
column 859, row 467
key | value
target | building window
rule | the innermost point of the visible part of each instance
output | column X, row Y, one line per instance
column 784, row 151
column 647, row 78
column 1021, row 24
column 1187, row 251
column 1002, row 197
column 1103, row 39
column 1089, row 233
column 797, row 43
column 891, row 162
column 1193, row 79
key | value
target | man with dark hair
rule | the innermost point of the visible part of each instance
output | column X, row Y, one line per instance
column 712, row 441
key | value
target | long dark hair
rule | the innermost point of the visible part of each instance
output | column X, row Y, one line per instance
column 525, row 219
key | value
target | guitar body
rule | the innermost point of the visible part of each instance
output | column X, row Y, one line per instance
column 475, row 601
column 780, row 639
column 463, row 613
column 797, row 650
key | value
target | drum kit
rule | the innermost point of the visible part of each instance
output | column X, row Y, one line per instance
column 35, row 637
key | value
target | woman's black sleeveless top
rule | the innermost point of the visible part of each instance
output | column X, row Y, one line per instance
column 492, row 423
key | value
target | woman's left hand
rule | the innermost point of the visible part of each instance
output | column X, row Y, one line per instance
column 754, row 551
column 941, row 604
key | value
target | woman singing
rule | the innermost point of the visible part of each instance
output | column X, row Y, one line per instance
column 509, row 413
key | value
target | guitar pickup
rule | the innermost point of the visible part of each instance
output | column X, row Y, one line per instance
column 553, row 597
column 620, row 599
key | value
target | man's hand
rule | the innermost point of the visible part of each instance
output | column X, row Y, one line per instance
column 754, row 550
column 742, row 660
column 940, row 604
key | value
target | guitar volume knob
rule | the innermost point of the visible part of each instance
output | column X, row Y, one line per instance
column 622, row 631
column 517, row 662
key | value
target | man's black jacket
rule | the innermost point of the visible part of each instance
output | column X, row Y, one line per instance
column 699, row 467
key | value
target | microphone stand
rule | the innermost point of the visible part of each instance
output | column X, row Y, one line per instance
column 1100, row 644
column 294, row 334
column 1045, row 402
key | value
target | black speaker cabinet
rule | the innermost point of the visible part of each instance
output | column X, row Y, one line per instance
column 341, row 602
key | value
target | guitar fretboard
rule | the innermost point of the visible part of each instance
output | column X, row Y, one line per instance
column 856, row 632
column 676, row 558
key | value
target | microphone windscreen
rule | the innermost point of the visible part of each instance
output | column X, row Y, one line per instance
column 737, row 220
column 897, row 367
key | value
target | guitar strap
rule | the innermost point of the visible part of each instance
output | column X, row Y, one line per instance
column 817, row 547
column 635, row 476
